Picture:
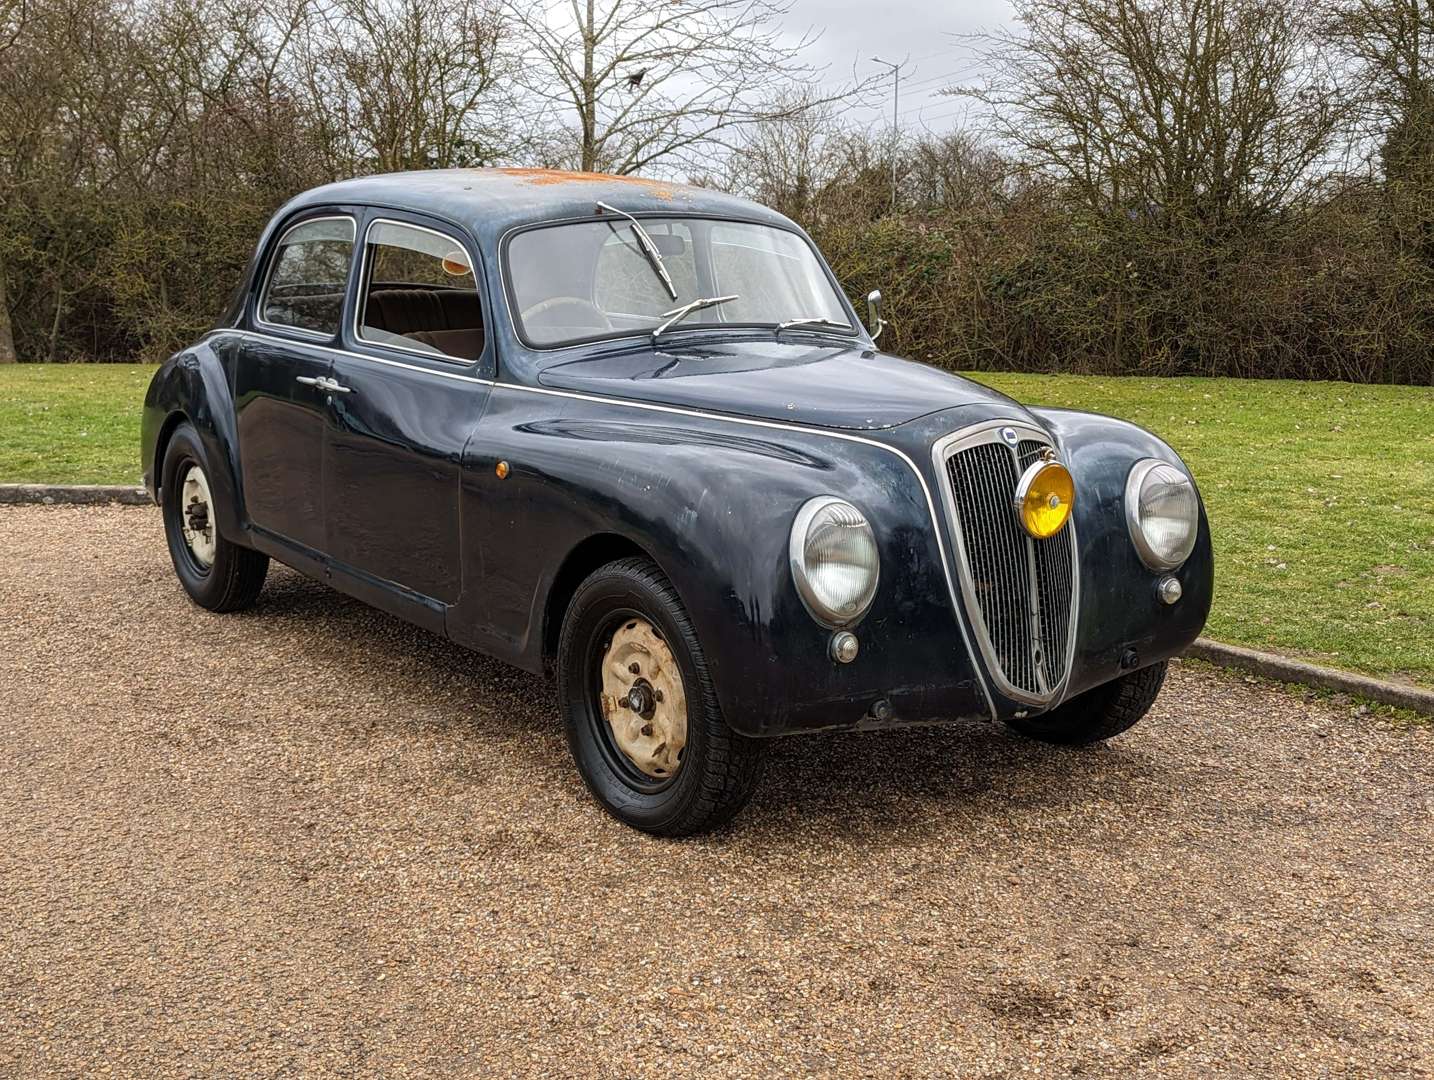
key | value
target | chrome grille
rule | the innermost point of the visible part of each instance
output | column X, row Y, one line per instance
column 1020, row 591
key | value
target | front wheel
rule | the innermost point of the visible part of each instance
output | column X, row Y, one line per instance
column 216, row 573
column 1100, row 713
column 642, row 717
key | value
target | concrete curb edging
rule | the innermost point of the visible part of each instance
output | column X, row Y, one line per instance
column 73, row 494
column 1282, row 669
column 1266, row 665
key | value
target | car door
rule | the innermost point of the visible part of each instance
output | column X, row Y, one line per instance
column 281, row 373
column 410, row 387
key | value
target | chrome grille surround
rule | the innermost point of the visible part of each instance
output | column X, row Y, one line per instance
column 1021, row 594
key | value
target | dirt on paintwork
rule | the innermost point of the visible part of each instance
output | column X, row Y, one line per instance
column 311, row 840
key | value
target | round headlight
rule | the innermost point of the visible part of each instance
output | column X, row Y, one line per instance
column 1045, row 495
column 834, row 560
column 1162, row 512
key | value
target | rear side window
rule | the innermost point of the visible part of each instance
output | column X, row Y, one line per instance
column 308, row 276
column 419, row 293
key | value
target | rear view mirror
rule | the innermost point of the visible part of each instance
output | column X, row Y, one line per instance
column 873, row 314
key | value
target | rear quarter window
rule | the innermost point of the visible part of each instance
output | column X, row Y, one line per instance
column 308, row 276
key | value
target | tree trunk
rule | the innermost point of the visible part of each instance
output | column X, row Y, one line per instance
column 7, row 334
column 589, row 109
column 55, row 326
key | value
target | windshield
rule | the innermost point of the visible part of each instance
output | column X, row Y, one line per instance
column 598, row 278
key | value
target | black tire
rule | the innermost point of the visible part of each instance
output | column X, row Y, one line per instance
column 719, row 768
column 232, row 580
column 1098, row 714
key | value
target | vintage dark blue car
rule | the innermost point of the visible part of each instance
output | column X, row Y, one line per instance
column 633, row 433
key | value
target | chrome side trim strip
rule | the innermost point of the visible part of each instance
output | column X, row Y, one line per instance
column 946, row 559
column 356, row 356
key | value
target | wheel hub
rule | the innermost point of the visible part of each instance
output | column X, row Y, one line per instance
column 195, row 516
column 643, row 700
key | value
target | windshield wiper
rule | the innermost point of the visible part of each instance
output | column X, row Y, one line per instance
column 654, row 257
column 812, row 321
column 678, row 314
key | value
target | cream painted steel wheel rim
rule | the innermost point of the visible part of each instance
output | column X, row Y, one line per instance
column 196, row 515
column 643, row 700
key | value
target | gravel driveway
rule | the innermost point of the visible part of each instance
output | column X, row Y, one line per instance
column 311, row 840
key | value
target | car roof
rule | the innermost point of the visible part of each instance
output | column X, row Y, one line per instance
column 490, row 201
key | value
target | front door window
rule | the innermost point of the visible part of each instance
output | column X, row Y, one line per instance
column 419, row 293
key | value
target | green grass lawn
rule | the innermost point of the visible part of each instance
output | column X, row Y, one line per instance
column 1321, row 503
column 1321, row 495
column 71, row 423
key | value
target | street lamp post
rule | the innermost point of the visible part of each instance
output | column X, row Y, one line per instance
column 895, row 100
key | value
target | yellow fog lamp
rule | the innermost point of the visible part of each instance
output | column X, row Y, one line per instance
column 1044, row 497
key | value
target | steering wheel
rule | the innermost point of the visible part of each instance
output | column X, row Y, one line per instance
column 583, row 313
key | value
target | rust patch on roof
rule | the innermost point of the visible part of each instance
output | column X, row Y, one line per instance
column 560, row 176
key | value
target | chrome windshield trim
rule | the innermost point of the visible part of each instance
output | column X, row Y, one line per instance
column 856, row 332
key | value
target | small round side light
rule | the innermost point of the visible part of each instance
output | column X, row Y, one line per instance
column 1169, row 589
column 844, row 646
column 501, row 470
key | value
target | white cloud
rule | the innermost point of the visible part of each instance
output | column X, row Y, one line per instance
column 930, row 33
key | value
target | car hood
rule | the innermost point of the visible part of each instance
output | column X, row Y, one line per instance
column 824, row 385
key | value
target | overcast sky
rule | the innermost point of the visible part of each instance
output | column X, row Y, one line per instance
column 927, row 31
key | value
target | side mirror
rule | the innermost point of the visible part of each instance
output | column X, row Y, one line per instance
column 873, row 313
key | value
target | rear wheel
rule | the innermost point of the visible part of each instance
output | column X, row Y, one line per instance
column 216, row 573
column 642, row 717
column 1098, row 714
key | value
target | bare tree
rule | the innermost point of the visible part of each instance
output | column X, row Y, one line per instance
column 412, row 83
column 787, row 161
column 212, row 136
column 51, row 112
column 1392, row 45
column 1218, row 110
column 13, row 17
column 652, row 82
column 1389, row 45
column 954, row 173
column 12, row 22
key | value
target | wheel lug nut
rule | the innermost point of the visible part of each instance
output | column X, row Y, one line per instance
column 647, row 729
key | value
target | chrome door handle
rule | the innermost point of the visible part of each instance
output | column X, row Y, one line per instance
column 323, row 382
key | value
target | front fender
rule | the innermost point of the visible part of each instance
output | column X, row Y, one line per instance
column 1121, row 617
column 713, row 503
column 193, row 385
